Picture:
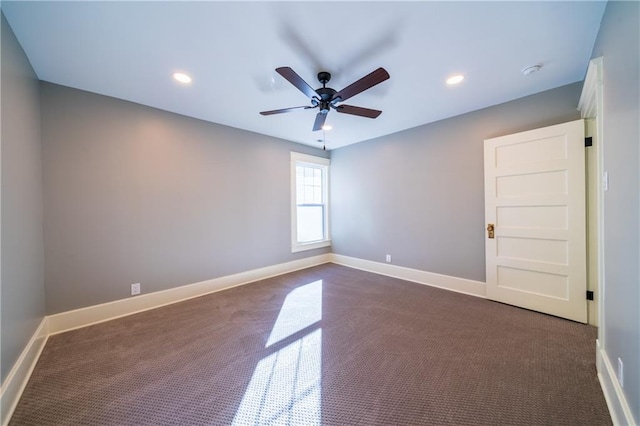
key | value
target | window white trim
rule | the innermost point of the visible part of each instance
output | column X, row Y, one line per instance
column 298, row 159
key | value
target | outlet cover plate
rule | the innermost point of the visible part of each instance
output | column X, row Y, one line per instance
column 135, row 289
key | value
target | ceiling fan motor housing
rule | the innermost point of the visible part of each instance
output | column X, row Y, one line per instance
column 325, row 93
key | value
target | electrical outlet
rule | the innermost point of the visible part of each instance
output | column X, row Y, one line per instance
column 388, row 258
column 620, row 373
column 135, row 289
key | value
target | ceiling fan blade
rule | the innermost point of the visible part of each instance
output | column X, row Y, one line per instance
column 366, row 82
column 362, row 112
column 297, row 81
column 320, row 119
column 280, row 111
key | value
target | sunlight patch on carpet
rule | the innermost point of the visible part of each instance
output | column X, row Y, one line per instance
column 285, row 388
column 301, row 309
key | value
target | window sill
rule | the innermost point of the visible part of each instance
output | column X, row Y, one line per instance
column 310, row 246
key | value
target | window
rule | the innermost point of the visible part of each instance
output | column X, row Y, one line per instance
column 309, row 202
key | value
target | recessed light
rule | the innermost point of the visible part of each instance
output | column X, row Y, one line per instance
column 182, row 77
column 455, row 79
column 327, row 127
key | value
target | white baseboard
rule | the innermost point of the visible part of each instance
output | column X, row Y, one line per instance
column 614, row 395
column 18, row 377
column 460, row 285
column 83, row 317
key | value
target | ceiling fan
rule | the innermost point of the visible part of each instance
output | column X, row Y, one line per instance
column 326, row 98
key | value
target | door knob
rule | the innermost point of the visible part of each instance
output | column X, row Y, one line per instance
column 490, row 230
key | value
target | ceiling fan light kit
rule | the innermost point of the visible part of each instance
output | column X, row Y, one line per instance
column 325, row 98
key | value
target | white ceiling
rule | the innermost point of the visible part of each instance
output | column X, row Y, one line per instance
column 129, row 50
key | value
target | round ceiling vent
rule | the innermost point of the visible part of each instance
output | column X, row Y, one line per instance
column 531, row 69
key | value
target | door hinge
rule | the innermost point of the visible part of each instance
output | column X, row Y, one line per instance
column 588, row 141
column 589, row 295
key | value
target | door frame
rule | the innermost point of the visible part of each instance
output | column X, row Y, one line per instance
column 591, row 106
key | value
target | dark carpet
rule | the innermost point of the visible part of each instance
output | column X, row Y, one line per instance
column 328, row 345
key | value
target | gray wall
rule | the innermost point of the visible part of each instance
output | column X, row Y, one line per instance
column 22, row 276
column 134, row 194
column 618, row 43
column 419, row 194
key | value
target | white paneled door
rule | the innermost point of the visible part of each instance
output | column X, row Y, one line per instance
column 535, row 219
